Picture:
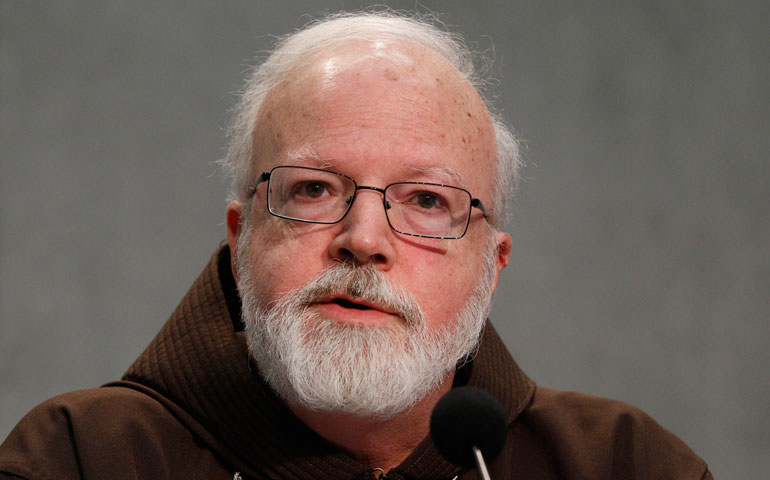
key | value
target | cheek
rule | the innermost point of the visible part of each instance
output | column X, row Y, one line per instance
column 442, row 286
column 282, row 262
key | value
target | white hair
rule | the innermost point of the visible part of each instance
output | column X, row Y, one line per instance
column 336, row 28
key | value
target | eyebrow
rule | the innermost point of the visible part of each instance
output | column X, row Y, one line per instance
column 308, row 155
column 450, row 173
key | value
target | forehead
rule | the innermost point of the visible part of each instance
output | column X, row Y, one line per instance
column 384, row 104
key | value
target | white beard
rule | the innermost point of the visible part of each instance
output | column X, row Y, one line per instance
column 320, row 364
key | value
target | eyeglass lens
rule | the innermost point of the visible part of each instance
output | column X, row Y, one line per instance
column 322, row 196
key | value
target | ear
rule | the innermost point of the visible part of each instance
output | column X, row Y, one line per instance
column 504, row 244
column 233, row 221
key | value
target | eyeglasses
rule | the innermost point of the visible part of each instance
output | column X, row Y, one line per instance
column 313, row 195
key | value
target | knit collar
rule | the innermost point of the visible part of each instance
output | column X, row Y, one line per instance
column 198, row 367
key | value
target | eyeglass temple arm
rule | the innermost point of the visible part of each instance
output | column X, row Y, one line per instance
column 475, row 202
column 262, row 178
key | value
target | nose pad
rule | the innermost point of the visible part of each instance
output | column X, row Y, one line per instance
column 365, row 236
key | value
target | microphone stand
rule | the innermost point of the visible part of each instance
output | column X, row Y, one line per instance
column 480, row 462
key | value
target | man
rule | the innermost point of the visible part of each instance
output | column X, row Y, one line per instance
column 370, row 184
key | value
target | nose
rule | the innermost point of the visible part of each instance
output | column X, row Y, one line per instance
column 366, row 236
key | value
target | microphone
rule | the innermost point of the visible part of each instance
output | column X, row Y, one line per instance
column 467, row 425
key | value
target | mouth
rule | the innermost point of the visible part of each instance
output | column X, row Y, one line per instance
column 342, row 302
column 353, row 310
column 355, row 303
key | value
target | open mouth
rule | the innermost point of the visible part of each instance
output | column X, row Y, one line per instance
column 348, row 304
column 353, row 310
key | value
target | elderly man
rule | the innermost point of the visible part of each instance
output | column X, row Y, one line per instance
column 370, row 184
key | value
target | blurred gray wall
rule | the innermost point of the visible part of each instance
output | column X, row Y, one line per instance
column 641, row 265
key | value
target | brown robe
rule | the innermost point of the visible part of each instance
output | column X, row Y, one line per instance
column 191, row 406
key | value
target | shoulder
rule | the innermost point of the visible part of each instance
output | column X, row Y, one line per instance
column 581, row 411
column 93, row 413
column 609, row 437
column 79, row 432
column 111, row 402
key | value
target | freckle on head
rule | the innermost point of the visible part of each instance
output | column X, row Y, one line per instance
column 391, row 75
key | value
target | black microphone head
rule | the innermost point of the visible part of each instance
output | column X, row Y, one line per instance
column 464, row 418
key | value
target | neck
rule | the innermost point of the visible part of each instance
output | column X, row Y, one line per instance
column 376, row 442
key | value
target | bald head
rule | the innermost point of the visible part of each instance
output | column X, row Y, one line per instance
column 385, row 88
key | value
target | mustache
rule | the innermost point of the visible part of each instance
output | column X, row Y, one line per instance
column 364, row 282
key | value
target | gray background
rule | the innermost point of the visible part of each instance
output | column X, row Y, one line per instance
column 641, row 264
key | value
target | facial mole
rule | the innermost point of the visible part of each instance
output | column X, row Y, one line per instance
column 269, row 115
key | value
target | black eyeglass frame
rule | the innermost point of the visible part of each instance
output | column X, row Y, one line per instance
column 265, row 177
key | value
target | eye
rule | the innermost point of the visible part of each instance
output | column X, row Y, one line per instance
column 426, row 200
column 313, row 189
column 310, row 190
column 423, row 198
